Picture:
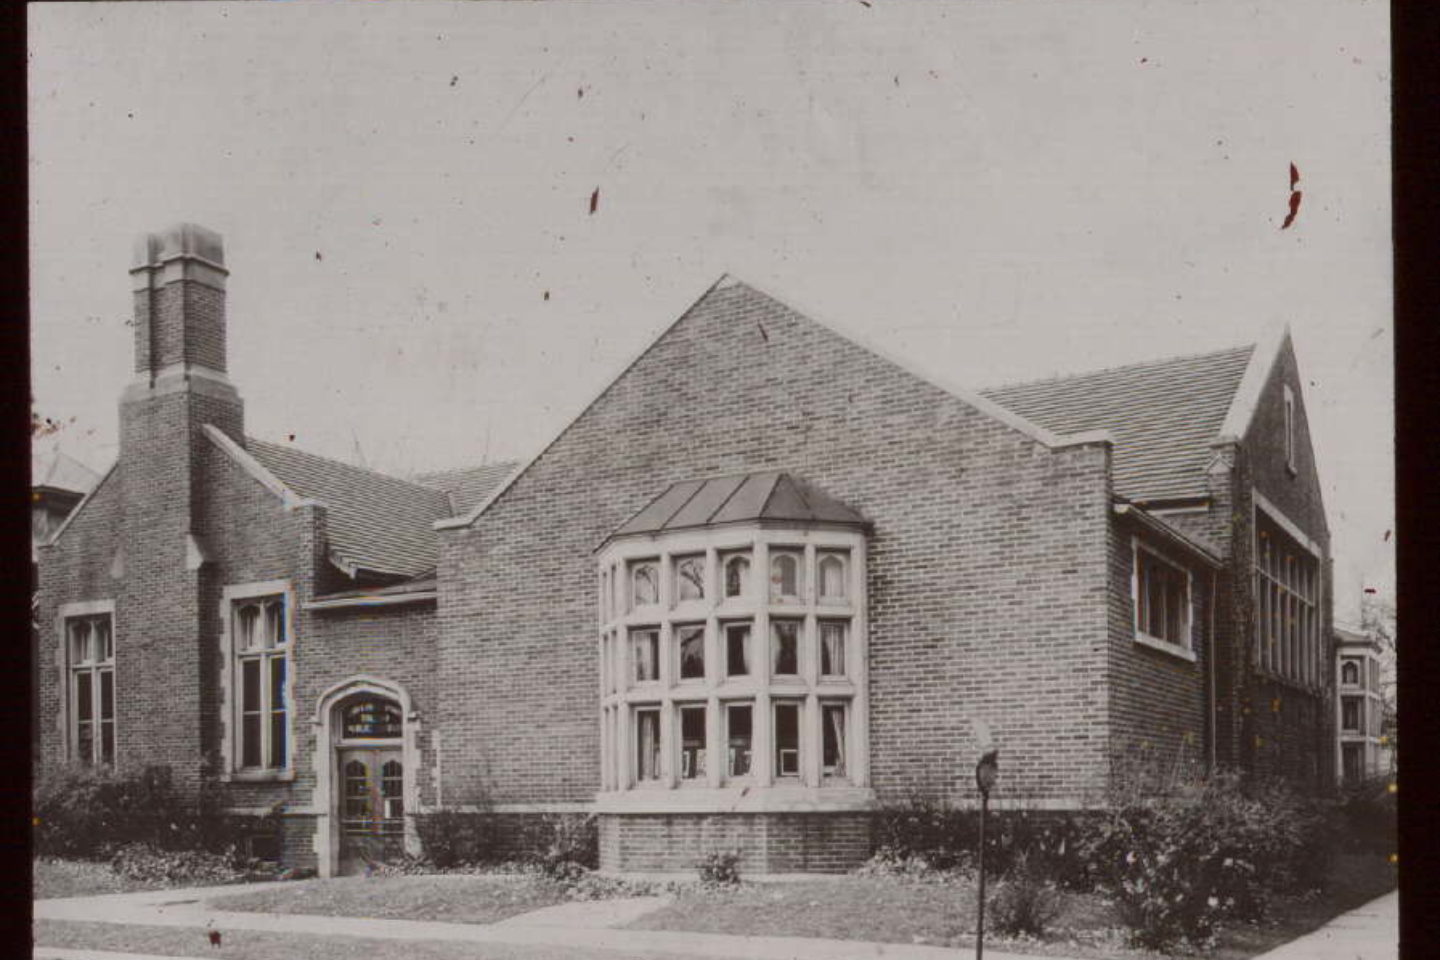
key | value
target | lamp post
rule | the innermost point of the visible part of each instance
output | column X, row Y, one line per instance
column 985, row 773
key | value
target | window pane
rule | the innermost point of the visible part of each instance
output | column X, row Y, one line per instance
column 250, row 740
column 737, row 649
column 647, row 744
column 833, row 739
column 107, row 695
column 644, row 655
column 249, row 685
column 277, row 740
column 692, row 652
column 784, row 577
column 832, row 578
column 832, row 648
column 275, row 623
column 787, row 740
column 79, row 642
column 737, row 733
column 690, row 578
column 107, row 742
column 104, row 641
column 692, row 743
column 247, row 622
column 645, row 584
column 85, row 742
column 84, row 697
column 737, row 576
column 277, row 683
column 785, row 644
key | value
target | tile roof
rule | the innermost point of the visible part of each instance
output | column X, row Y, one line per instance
column 467, row 487
column 1163, row 414
column 770, row 495
column 376, row 522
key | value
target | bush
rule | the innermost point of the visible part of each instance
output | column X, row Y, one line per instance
column 86, row 812
column 1181, row 863
column 573, row 848
column 451, row 838
column 1367, row 817
column 945, row 838
column 719, row 868
column 1024, row 903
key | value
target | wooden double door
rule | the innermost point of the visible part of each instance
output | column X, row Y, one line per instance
column 372, row 806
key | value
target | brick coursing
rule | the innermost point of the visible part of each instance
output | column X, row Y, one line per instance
column 767, row 843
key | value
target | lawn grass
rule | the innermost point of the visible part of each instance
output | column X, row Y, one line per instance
column 890, row 910
column 52, row 878
column 258, row 945
column 449, row 898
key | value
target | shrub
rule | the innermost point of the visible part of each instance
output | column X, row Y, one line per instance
column 85, row 812
column 1181, row 863
column 1023, row 903
column 573, row 848
column 719, row 868
column 1367, row 817
column 451, row 838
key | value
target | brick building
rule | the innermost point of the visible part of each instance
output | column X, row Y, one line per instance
column 767, row 579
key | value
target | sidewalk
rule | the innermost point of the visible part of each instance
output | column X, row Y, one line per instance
column 1371, row 932
column 582, row 925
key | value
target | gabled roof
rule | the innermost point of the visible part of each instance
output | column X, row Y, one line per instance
column 770, row 496
column 1164, row 415
column 60, row 471
column 467, row 486
column 374, row 522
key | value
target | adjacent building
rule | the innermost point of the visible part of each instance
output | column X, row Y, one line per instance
column 766, row 580
column 1363, row 720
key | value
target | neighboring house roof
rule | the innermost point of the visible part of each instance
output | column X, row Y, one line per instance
column 768, row 496
column 468, row 486
column 1164, row 415
column 59, row 471
column 374, row 522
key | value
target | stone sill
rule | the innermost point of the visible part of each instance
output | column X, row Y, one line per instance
column 1180, row 653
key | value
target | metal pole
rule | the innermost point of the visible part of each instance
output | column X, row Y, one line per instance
column 980, row 912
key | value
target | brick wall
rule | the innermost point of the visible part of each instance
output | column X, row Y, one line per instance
column 987, row 569
column 182, row 321
column 768, row 843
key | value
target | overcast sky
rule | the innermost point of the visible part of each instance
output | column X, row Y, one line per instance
column 999, row 191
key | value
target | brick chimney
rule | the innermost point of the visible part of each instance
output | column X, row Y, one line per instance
column 165, row 591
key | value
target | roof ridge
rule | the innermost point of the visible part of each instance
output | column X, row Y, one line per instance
column 1118, row 368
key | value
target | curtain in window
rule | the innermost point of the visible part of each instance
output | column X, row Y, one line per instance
column 647, row 585
column 785, row 645
column 691, row 578
column 832, row 649
column 648, row 745
column 832, row 578
column 834, row 759
column 692, row 653
column 737, row 571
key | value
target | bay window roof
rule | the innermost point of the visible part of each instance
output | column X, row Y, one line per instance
column 766, row 497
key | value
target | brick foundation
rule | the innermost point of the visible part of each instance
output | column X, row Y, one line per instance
column 768, row 843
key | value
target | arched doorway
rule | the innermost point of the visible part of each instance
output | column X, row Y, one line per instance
column 366, row 775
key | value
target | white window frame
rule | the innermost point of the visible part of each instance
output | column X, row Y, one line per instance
column 231, row 677
column 1289, row 428
column 69, row 716
column 1186, row 649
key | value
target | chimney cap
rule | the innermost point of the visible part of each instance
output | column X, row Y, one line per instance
column 179, row 240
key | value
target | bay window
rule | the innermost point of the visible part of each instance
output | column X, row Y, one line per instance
column 742, row 656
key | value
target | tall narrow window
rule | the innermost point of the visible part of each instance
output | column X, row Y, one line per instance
column 692, row 652
column 832, row 647
column 262, row 660
column 1350, row 711
column 647, row 744
column 690, row 578
column 784, row 578
column 645, row 655
column 737, row 576
column 1350, row 673
column 692, row 743
column 737, row 649
column 785, row 645
column 91, row 655
column 787, row 739
column 738, row 739
column 832, row 739
column 831, row 575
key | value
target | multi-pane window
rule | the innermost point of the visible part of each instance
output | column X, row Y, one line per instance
column 1352, row 711
column 261, row 648
column 1350, row 673
column 1162, row 598
column 1287, row 594
column 90, row 654
column 732, row 657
